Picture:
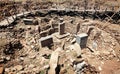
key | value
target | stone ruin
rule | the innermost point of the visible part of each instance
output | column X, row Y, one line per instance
column 46, row 41
column 81, row 39
column 47, row 38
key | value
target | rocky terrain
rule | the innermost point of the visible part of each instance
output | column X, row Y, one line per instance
column 57, row 42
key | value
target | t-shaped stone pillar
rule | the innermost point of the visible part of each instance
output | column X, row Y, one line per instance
column 61, row 29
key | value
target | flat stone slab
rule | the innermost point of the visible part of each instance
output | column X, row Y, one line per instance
column 46, row 41
column 54, row 61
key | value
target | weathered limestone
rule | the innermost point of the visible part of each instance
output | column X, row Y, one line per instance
column 54, row 61
column 61, row 31
column 81, row 39
column 46, row 41
column 77, row 49
column 18, row 67
column 73, row 41
column 79, row 66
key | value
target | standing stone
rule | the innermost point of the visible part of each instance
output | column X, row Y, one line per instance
column 81, row 39
column 77, row 28
column 61, row 28
column 89, row 30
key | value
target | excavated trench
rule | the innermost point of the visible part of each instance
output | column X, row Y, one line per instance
column 85, row 14
column 109, row 16
column 103, row 40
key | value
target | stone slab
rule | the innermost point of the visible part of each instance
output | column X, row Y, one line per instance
column 54, row 61
column 46, row 41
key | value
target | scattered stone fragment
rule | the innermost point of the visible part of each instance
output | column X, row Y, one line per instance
column 8, row 58
column 46, row 67
column 32, row 56
column 99, row 68
column 21, row 58
column 73, row 41
column 31, row 66
column 30, row 22
column 79, row 67
column 7, row 70
column 18, row 67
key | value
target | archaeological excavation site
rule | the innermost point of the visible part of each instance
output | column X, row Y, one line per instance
column 59, row 36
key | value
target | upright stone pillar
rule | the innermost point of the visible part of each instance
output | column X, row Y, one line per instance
column 81, row 39
column 61, row 29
